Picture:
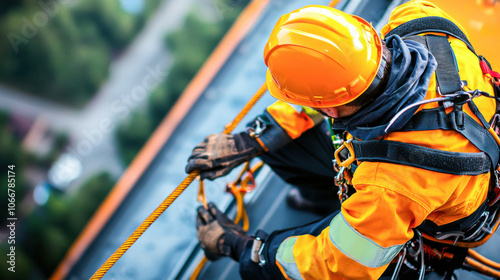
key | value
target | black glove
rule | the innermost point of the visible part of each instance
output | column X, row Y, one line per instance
column 218, row 154
column 218, row 235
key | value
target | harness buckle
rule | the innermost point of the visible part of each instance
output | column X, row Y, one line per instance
column 348, row 145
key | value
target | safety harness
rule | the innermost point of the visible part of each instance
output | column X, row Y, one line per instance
column 451, row 89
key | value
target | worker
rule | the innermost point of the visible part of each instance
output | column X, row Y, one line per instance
column 416, row 96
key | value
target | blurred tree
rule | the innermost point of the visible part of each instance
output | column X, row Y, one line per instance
column 84, row 202
column 8, row 5
column 190, row 46
column 49, row 231
column 11, row 154
column 132, row 134
column 63, row 51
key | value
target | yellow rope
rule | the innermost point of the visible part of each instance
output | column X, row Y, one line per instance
column 145, row 225
column 173, row 196
column 198, row 268
column 333, row 3
column 231, row 126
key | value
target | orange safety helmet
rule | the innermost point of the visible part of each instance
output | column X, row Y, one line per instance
column 321, row 57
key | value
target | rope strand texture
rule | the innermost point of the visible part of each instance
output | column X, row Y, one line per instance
column 144, row 226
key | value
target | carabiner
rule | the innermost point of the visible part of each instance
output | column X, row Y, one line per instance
column 347, row 144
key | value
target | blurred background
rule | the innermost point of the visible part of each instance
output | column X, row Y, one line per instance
column 83, row 84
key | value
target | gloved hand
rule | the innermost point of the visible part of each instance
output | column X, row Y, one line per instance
column 218, row 235
column 218, row 154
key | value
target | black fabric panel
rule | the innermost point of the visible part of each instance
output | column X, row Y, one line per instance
column 438, row 119
column 419, row 39
column 447, row 71
column 422, row 157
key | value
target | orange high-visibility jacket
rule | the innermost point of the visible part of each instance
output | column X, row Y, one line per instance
column 390, row 199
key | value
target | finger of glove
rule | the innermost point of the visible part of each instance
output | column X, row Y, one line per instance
column 212, row 169
column 198, row 152
column 203, row 217
column 214, row 211
column 225, row 221
column 199, row 164
column 200, row 148
column 206, row 159
column 215, row 173
column 230, row 161
column 220, row 168
column 211, row 256
column 221, row 218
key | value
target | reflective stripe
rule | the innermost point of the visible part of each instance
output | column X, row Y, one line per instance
column 284, row 256
column 314, row 115
column 357, row 247
column 310, row 112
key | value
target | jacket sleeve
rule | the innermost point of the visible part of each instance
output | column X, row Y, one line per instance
column 281, row 123
column 357, row 243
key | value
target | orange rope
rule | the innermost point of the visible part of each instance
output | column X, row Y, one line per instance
column 333, row 3
column 475, row 255
column 144, row 226
column 198, row 268
column 173, row 196
column 231, row 126
column 483, row 269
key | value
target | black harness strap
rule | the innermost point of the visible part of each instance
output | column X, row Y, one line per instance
column 433, row 119
column 422, row 157
column 447, row 76
column 431, row 24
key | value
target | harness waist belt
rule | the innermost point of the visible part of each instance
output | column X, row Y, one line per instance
column 422, row 157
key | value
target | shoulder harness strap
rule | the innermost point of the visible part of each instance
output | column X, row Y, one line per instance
column 431, row 24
